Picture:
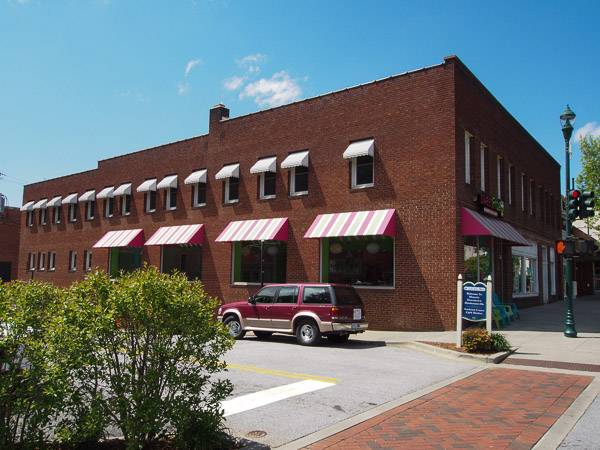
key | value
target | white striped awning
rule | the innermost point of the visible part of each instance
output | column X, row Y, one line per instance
column 124, row 189
column 41, row 204
column 28, row 206
column 88, row 196
column 181, row 234
column 56, row 201
column 360, row 223
column 229, row 171
column 295, row 160
column 70, row 199
column 167, row 182
column 265, row 165
column 475, row 224
column 107, row 192
column 121, row 238
column 198, row 176
column 255, row 230
column 360, row 148
column 148, row 185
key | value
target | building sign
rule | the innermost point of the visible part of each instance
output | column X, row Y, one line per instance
column 474, row 296
column 489, row 204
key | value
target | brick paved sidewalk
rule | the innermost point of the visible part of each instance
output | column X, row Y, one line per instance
column 495, row 408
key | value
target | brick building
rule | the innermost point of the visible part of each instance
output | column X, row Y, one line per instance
column 10, row 227
column 433, row 176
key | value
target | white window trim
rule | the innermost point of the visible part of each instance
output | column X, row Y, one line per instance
column 42, row 216
column 531, row 194
column 510, row 180
column 354, row 184
column 73, row 261
column 147, row 208
column 29, row 218
column 227, row 199
column 531, row 253
column 552, row 272
column 107, row 202
column 499, row 175
column 482, row 164
column 262, row 195
column 293, row 190
column 41, row 261
column 196, row 195
column 72, row 212
column 51, row 261
column 124, row 204
column 168, row 206
column 89, row 211
column 56, row 214
column 87, row 260
column 31, row 262
column 468, row 137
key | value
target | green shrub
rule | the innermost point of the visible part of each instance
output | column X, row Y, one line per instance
column 476, row 340
column 141, row 351
column 499, row 342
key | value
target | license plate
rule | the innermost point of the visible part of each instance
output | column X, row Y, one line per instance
column 354, row 326
column 357, row 314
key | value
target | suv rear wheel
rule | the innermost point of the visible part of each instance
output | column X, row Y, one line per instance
column 308, row 333
column 235, row 327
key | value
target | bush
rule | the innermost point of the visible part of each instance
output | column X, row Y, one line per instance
column 500, row 343
column 478, row 340
column 142, row 351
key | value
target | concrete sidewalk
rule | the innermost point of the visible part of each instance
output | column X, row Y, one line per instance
column 546, row 404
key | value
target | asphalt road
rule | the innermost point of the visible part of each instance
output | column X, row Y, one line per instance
column 284, row 391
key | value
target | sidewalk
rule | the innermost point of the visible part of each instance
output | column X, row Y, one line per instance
column 533, row 399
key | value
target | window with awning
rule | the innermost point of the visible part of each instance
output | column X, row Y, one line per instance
column 361, row 153
column 297, row 162
column 198, row 180
column 181, row 249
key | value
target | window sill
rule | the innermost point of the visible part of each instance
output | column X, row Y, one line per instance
column 199, row 205
column 231, row 202
column 298, row 194
column 364, row 286
column 244, row 283
column 528, row 294
column 270, row 197
column 362, row 186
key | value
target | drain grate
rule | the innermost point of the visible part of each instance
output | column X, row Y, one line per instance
column 257, row 434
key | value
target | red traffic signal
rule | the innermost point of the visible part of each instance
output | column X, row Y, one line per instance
column 565, row 247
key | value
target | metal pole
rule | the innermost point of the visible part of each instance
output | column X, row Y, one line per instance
column 570, row 320
column 262, row 254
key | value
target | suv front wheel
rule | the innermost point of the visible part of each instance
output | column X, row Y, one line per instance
column 235, row 327
column 308, row 333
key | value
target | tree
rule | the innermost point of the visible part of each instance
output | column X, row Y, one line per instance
column 589, row 178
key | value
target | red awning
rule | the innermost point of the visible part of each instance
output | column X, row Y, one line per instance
column 360, row 223
column 475, row 224
column 121, row 238
column 182, row 234
column 256, row 230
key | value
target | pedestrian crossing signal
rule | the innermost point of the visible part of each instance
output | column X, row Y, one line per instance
column 565, row 247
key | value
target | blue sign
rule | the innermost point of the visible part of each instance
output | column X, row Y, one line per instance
column 474, row 296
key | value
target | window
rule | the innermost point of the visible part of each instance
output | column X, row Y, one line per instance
column 31, row 261
column 266, row 295
column 126, row 259
column 51, row 260
column 125, row 204
column 360, row 260
column 511, row 181
column 56, row 213
column 171, row 198
column 87, row 260
column 73, row 212
column 109, row 204
column 267, row 184
column 299, row 180
column 199, row 194
column 499, row 175
column 316, row 295
column 184, row 259
column 483, row 157
column 231, row 190
column 72, row 260
column 124, row 192
column 468, row 158
column 288, row 294
column 41, row 261
column 42, row 216
column 542, row 204
column 247, row 261
column 523, row 192
column 532, row 197
column 525, row 270
column 362, row 171
column 29, row 218
column 89, row 209
column 478, row 258
column 553, row 272
column 150, row 201
column 266, row 169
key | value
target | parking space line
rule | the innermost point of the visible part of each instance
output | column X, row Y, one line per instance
column 284, row 374
column 268, row 396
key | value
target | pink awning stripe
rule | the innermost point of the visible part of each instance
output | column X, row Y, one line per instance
column 475, row 224
column 380, row 222
column 255, row 230
column 176, row 235
column 121, row 238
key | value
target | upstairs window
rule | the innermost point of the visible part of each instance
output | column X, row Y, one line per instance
column 148, row 187
column 51, row 260
column 71, row 201
column 169, row 184
column 41, row 205
column 89, row 198
column 468, row 137
column 29, row 218
column 87, row 260
column 41, row 261
column 107, row 194
column 56, row 213
column 483, row 158
column 297, row 162
column 31, row 261
column 266, row 169
column 230, row 176
column 72, row 260
column 361, row 155
column 124, row 192
column 198, row 181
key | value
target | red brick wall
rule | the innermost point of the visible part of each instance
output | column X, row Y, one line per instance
column 10, row 223
column 418, row 148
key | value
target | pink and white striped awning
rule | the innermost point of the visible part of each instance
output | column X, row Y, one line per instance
column 121, row 238
column 255, row 230
column 181, row 234
column 475, row 224
column 360, row 223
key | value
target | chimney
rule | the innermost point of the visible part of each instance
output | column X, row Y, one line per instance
column 218, row 113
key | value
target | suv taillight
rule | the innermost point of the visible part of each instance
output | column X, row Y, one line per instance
column 335, row 313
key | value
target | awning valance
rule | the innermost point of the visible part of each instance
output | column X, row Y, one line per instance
column 360, row 148
column 199, row 176
column 148, row 185
column 230, row 171
column 168, row 182
column 56, row 201
column 41, row 204
column 265, row 165
column 255, row 230
column 182, row 234
column 475, row 224
column 295, row 160
column 107, row 192
column 124, row 189
column 70, row 199
column 88, row 196
column 121, row 238
column 28, row 206
column 359, row 223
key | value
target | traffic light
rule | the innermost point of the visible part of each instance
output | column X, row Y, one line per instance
column 586, row 204
column 565, row 247
column 574, row 204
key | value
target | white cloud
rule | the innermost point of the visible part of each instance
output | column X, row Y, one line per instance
column 276, row 91
column 234, row 83
column 183, row 88
column 191, row 65
column 251, row 59
column 589, row 129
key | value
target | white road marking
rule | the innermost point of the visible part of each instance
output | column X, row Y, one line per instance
column 262, row 398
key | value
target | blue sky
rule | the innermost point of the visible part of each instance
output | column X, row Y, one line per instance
column 85, row 80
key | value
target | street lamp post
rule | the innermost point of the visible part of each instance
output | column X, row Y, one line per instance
column 567, row 118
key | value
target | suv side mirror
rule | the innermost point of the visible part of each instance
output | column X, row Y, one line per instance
column 252, row 300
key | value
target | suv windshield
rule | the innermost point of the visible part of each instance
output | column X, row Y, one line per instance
column 346, row 296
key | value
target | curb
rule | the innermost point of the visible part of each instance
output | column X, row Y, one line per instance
column 495, row 358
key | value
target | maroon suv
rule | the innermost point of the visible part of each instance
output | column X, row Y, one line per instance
column 307, row 310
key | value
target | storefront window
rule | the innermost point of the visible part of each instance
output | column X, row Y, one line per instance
column 125, row 259
column 247, row 262
column 525, row 270
column 478, row 258
column 187, row 260
column 360, row 261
